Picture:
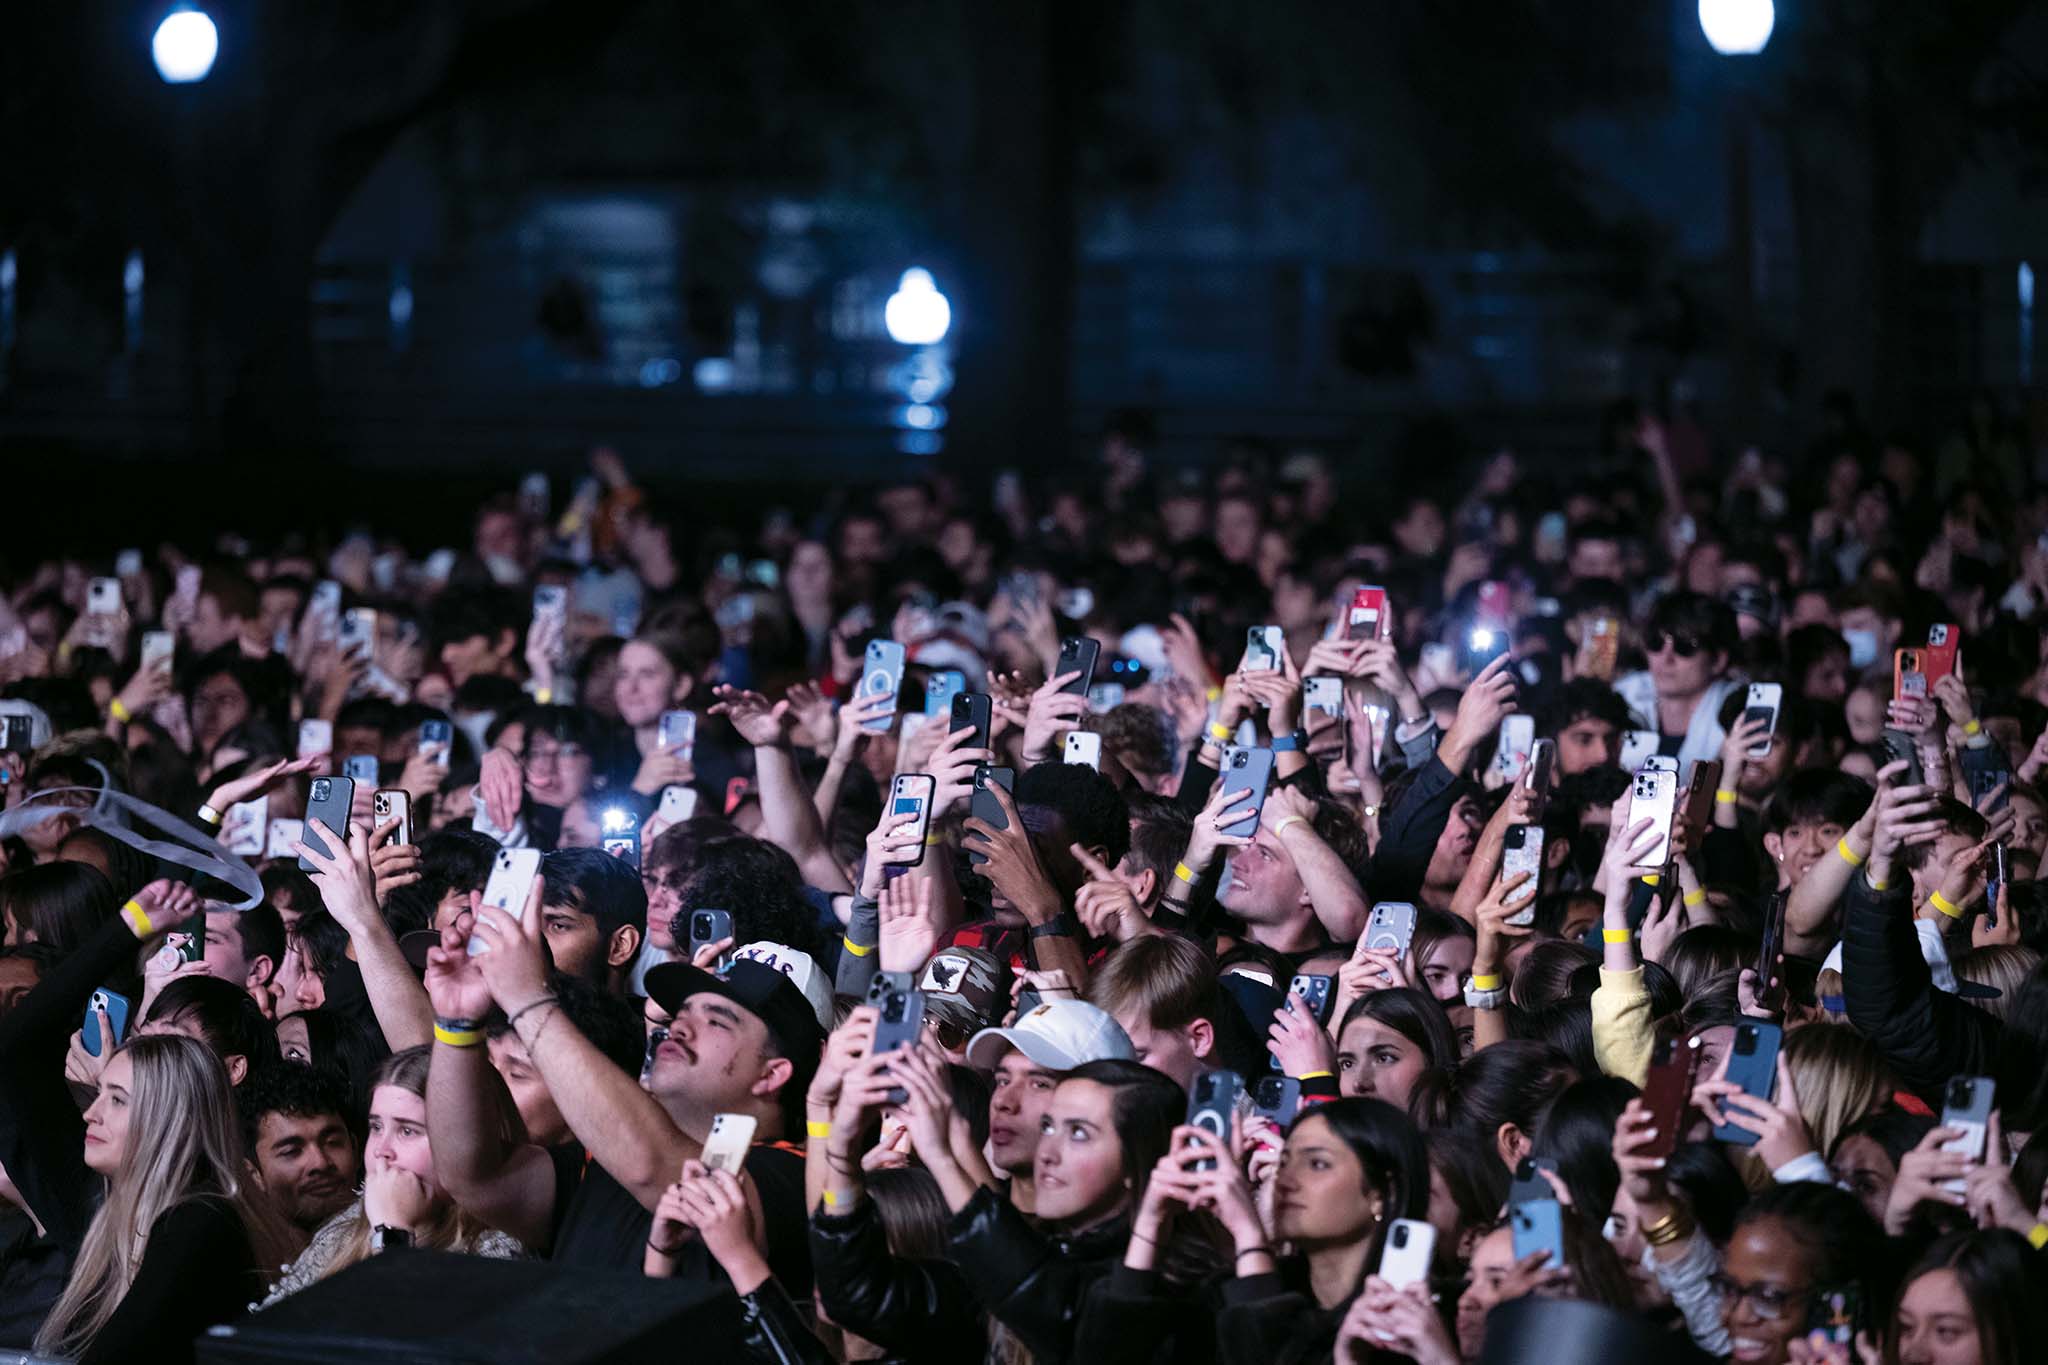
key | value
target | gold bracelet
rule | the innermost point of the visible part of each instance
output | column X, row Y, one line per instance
column 1672, row 1227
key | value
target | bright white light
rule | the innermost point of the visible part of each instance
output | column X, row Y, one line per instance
column 1482, row 638
column 1737, row 28
column 917, row 314
column 185, row 45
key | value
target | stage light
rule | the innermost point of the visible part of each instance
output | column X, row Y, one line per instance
column 917, row 314
column 1737, row 28
column 185, row 45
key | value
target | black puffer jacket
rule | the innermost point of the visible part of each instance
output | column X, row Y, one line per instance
column 1035, row 1284
column 917, row 1310
column 1927, row 1034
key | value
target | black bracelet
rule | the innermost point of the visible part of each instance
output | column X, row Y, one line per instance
column 665, row 1251
column 1254, row 1251
column 457, row 1025
column 523, row 1010
column 1056, row 927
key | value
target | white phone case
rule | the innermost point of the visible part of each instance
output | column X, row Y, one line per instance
column 726, row 1147
column 511, row 880
column 1409, row 1248
column 1084, row 747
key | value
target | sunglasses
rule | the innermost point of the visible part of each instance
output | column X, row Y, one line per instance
column 1684, row 646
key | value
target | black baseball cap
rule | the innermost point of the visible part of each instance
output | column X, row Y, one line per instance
column 761, row 990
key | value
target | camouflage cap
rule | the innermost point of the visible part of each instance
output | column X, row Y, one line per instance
column 968, row 988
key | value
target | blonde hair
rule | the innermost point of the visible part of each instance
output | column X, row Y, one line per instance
column 184, row 1145
column 1840, row 1077
column 2004, row 965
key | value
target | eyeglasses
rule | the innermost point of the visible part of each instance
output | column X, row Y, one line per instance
column 562, row 753
column 950, row 1037
column 1684, row 646
column 1769, row 1302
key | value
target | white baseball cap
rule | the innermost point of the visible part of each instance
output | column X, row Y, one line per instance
column 801, row 970
column 1058, row 1035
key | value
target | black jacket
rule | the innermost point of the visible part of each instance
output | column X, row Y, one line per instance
column 1139, row 1315
column 1927, row 1034
column 1265, row 1322
column 917, row 1310
column 1409, row 831
column 1035, row 1284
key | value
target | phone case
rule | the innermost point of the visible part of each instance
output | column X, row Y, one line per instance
column 882, row 676
column 1407, row 1252
column 1763, row 702
column 1967, row 1104
column 725, row 1148
column 437, row 738
column 900, row 1026
column 1938, row 660
column 1511, row 751
column 1769, row 947
column 1211, row 1105
column 117, row 1007
column 1368, row 617
column 708, row 927
column 982, row 804
column 510, row 882
column 328, row 805
column 1527, row 1182
column 1078, row 652
column 243, row 826
column 1324, row 694
column 1315, row 990
column 1391, row 926
column 1667, row 1091
column 1907, row 679
column 1085, row 748
column 912, row 793
column 677, row 731
column 1656, row 798
column 280, row 835
column 1637, row 748
column 315, row 737
column 1247, row 770
column 972, row 709
column 1538, row 1226
column 1522, row 851
column 678, row 803
column 1753, row 1065
column 1262, row 646
column 1277, row 1098
column 1542, row 760
column 360, row 769
column 940, row 688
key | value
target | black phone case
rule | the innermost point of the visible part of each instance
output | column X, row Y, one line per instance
column 972, row 708
column 982, row 805
column 333, row 813
column 696, row 941
column 1079, row 651
column 1211, row 1104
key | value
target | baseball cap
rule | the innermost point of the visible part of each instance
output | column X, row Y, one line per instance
column 1059, row 1035
column 775, row 984
column 1751, row 599
column 965, row 987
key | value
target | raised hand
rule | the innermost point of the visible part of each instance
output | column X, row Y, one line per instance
column 910, row 923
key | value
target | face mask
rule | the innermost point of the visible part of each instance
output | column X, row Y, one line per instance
column 1862, row 647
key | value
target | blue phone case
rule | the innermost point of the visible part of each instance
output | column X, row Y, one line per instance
column 1755, row 1070
column 117, row 1018
column 1538, row 1225
column 882, row 674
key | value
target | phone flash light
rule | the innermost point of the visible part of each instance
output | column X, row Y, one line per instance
column 617, row 820
column 1482, row 638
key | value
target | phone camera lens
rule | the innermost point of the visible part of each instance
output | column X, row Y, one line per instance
column 1400, row 1235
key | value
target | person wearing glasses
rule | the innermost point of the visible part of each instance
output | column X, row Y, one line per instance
column 1687, row 641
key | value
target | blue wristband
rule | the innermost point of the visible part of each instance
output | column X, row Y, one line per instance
column 1287, row 744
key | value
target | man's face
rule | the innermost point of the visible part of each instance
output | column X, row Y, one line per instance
column 1019, row 1094
column 308, row 1163
column 279, row 608
column 1827, row 679
column 537, row 1109
column 575, row 942
column 1803, row 843
column 1260, row 883
column 664, row 888
column 1595, row 557
column 498, row 535
column 1421, row 532
column 861, row 541
column 715, row 1053
column 1585, row 744
column 18, row 976
column 211, row 628
column 1176, row 1052
column 225, row 956
column 1237, row 530
column 1681, row 665
column 1453, row 851
column 1950, row 843
column 465, row 659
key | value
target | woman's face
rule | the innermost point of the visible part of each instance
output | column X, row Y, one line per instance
column 2030, row 828
column 1492, row 1259
column 645, row 686
column 1079, row 1165
column 1766, row 1283
column 218, row 705
column 1713, row 1044
column 292, row 1042
column 557, row 770
column 810, row 574
column 299, row 987
column 1865, row 712
column 106, row 1118
column 1866, row 1170
column 1320, row 1194
column 398, row 1134
column 579, row 827
column 1378, row 1062
column 1936, row 1325
column 1443, row 972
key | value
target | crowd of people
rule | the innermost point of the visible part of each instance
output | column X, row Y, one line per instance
column 1248, row 913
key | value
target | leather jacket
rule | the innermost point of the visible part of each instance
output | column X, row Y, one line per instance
column 1035, row 1283
column 917, row 1310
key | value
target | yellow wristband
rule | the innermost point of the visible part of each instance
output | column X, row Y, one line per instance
column 1183, row 872
column 1724, row 797
column 931, row 839
column 466, row 1038
column 2038, row 1236
column 1485, row 983
column 1970, row 726
column 817, row 1129
column 1615, row 936
column 1696, row 896
column 1219, row 732
column 1849, row 855
column 208, row 815
column 1215, row 694
column 1312, row 1075
column 138, row 917
column 1945, row 905
column 1287, row 820
column 855, row 948
column 1875, row 884
column 831, row 1199
column 545, row 696
column 118, row 709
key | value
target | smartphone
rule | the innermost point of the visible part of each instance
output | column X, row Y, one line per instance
column 1211, row 1106
column 911, row 794
column 971, row 709
column 1528, row 1184
column 437, row 737
column 1700, row 785
column 1667, row 1090
column 1908, row 679
column 1753, row 1065
column 1406, row 1254
column 128, row 563
column 327, row 805
column 882, row 676
column 358, row 633
column 1538, row 1226
column 1772, row 944
column 1391, row 927
column 158, row 649
column 1984, row 770
column 725, row 1148
column 678, row 803
column 1247, row 770
column 509, row 885
column 1656, row 797
column 316, row 737
column 982, row 803
column 17, row 734
column 1262, row 648
column 360, row 769
column 1837, row 1314
column 1944, row 639
column 899, row 1025
column 2000, row 874
column 1277, row 1098
column 1603, row 647
column 280, row 835
column 324, row 605
column 1511, row 752
column 1324, row 694
column 940, row 688
column 1085, row 748
column 1763, row 703
column 1542, row 764
column 1522, row 851
column 242, row 826
column 117, row 1007
column 1637, row 748
column 618, row 833
column 1967, row 1105
column 1315, row 989
column 1078, row 654
column 706, row 928
column 1367, row 618
column 103, row 597
column 550, row 602
column 1899, row 747
column 393, row 803
column 676, row 731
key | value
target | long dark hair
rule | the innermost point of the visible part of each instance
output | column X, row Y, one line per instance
column 1144, row 1106
column 1511, row 1082
column 1419, row 1017
column 1578, row 1133
column 2003, row 1279
column 2022, row 1066
column 1837, row 1234
column 58, row 904
column 1389, row 1148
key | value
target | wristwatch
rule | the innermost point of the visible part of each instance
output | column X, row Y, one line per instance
column 1287, row 744
column 1484, row 1000
column 384, row 1239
